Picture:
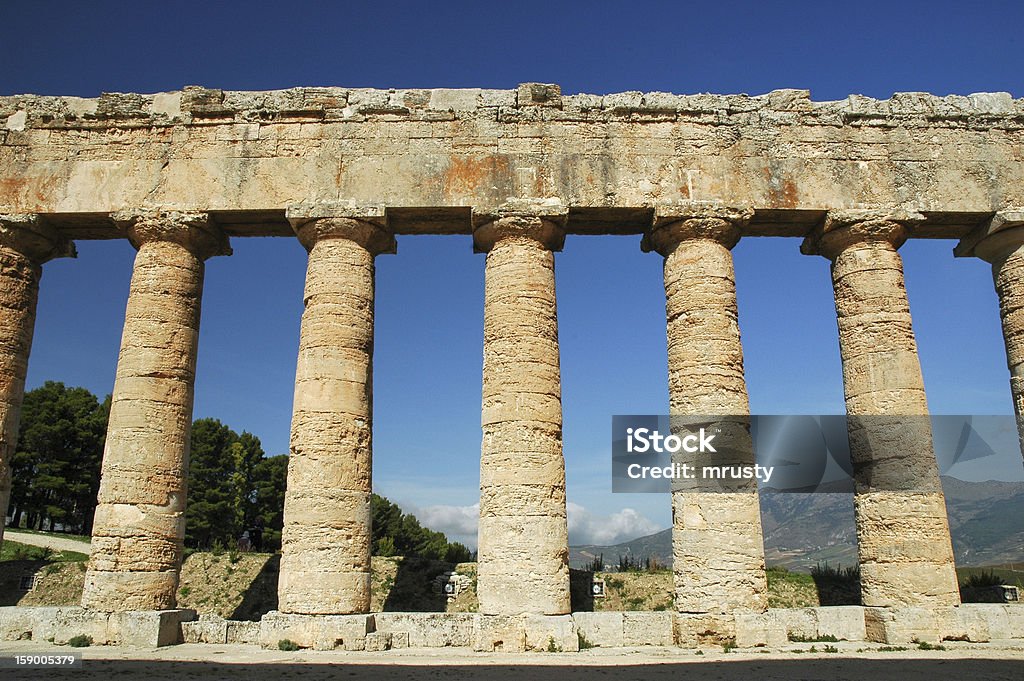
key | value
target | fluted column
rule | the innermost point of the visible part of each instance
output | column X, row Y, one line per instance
column 906, row 557
column 139, row 524
column 25, row 244
column 717, row 545
column 523, row 536
column 1001, row 243
column 325, row 548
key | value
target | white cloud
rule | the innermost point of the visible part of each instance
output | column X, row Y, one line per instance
column 588, row 528
column 459, row 523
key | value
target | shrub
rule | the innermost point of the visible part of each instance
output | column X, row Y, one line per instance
column 824, row 571
column 80, row 641
column 585, row 643
column 924, row 645
column 287, row 644
column 982, row 580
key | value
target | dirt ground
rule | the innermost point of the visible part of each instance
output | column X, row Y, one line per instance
column 962, row 661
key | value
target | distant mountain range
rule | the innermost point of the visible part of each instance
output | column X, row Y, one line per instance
column 800, row 530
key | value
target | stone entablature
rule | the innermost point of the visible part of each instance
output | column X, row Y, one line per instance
column 431, row 155
column 345, row 171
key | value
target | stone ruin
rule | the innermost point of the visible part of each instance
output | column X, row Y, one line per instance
column 349, row 172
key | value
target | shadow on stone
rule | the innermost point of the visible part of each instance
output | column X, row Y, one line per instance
column 837, row 585
column 414, row 588
column 742, row 670
column 581, row 595
column 15, row 578
column 261, row 596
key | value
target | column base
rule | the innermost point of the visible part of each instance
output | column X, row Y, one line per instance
column 520, row 633
column 141, row 628
column 319, row 632
column 976, row 622
column 618, row 629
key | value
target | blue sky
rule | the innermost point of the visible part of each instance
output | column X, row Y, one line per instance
column 430, row 295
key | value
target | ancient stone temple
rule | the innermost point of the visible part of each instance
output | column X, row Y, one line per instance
column 348, row 172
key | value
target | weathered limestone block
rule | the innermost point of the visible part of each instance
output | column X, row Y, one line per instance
column 648, row 628
column 908, row 624
column 62, row 623
column 601, row 629
column 551, row 633
column 801, row 623
column 25, row 244
column 139, row 525
column 325, row 551
column 377, row 641
column 906, row 557
column 205, row 629
column 758, row 629
column 150, row 629
column 845, row 622
column 523, row 542
column 427, row 629
column 696, row 629
column 717, row 547
column 499, row 633
column 17, row 623
column 1001, row 621
column 319, row 632
column 1001, row 243
column 242, row 632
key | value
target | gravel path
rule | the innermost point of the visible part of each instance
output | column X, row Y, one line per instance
column 53, row 541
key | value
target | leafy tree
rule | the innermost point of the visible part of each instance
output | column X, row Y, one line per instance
column 398, row 533
column 270, row 477
column 56, row 465
column 232, row 486
column 221, row 481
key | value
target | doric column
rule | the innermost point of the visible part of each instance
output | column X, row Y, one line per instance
column 25, row 244
column 523, row 536
column 140, row 518
column 906, row 557
column 717, row 545
column 1001, row 242
column 325, row 548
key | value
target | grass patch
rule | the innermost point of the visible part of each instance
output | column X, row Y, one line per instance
column 585, row 643
column 13, row 550
column 80, row 641
column 827, row 638
column 924, row 645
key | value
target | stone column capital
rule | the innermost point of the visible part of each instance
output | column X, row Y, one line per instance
column 540, row 220
column 845, row 228
column 994, row 239
column 30, row 236
column 674, row 223
column 191, row 229
column 364, row 224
